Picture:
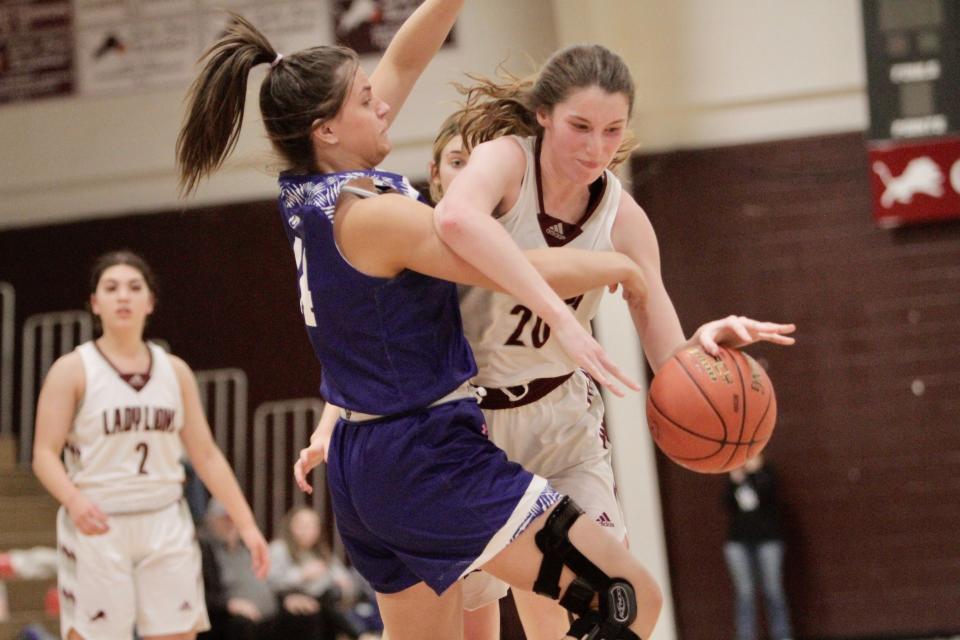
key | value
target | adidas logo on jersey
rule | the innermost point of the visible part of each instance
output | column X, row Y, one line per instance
column 556, row 230
column 185, row 606
column 604, row 520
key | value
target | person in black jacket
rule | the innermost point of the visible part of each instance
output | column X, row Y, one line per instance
column 754, row 549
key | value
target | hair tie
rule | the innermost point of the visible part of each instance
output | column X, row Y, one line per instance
column 276, row 61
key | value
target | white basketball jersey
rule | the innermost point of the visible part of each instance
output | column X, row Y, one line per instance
column 124, row 449
column 513, row 346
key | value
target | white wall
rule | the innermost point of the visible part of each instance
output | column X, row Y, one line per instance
column 75, row 158
column 712, row 73
column 708, row 73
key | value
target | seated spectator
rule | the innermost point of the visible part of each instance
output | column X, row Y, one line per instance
column 321, row 597
column 240, row 606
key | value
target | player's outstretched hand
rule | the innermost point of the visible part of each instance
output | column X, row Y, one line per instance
column 259, row 553
column 739, row 331
column 87, row 516
column 309, row 458
column 590, row 356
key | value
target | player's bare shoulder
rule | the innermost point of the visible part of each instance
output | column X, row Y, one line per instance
column 633, row 233
column 505, row 151
column 67, row 374
column 353, row 192
column 180, row 366
column 505, row 160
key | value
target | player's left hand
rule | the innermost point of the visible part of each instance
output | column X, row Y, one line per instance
column 309, row 458
column 259, row 554
column 740, row 331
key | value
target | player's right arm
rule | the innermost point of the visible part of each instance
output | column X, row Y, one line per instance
column 384, row 235
column 411, row 50
column 571, row 272
column 657, row 324
column 59, row 398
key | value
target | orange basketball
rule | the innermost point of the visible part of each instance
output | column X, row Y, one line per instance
column 711, row 414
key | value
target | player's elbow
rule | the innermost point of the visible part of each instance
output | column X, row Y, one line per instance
column 450, row 222
column 38, row 460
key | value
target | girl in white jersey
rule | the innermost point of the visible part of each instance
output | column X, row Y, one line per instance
column 125, row 411
column 421, row 496
column 540, row 163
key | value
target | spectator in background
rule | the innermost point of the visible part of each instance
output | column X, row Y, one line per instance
column 754, row 549
column 240, row 605
column 317, row 591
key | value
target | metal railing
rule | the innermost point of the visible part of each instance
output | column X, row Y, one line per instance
column 223, row 395
column 7, row 312
column 46, row 337
column 289, row 424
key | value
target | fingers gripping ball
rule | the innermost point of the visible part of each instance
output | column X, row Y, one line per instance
column 711, row 414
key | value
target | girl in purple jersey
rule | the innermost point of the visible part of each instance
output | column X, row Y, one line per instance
column 421, row 496
column 539, row 151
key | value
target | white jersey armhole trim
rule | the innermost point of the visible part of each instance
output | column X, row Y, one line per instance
column 614, row 190
column 160, row 356
column 528, row 176
column 84, row 352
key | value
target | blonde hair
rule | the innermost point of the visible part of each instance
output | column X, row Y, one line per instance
column 449, row 130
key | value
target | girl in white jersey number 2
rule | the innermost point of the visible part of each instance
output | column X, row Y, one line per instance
column 125, row 411
column 540, row 164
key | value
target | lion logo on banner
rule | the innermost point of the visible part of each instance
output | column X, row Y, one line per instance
column 921, row 175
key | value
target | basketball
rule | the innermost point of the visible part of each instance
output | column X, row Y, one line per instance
column 709, row 414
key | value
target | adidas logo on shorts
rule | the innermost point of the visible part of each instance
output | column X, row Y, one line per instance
column 604, row 520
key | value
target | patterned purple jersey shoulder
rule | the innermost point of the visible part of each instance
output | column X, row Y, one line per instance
column 385, row 345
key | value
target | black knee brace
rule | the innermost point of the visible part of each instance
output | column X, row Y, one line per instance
column 618, row 601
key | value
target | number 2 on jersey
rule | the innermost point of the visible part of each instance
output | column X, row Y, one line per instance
column 144, row 449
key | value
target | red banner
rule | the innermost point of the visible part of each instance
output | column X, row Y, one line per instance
column 915, row 181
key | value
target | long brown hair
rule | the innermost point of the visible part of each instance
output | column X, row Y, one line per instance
column 299, row 91
column 493, row 109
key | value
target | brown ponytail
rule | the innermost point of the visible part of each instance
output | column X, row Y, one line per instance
column 301, row 90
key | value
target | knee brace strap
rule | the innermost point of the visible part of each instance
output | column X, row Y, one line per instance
column 618, row 601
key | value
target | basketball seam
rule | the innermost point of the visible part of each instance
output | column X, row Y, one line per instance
column 695, row 459
column 743, row 407
column 705, row 397
column 690, row 431
column 766, row 410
